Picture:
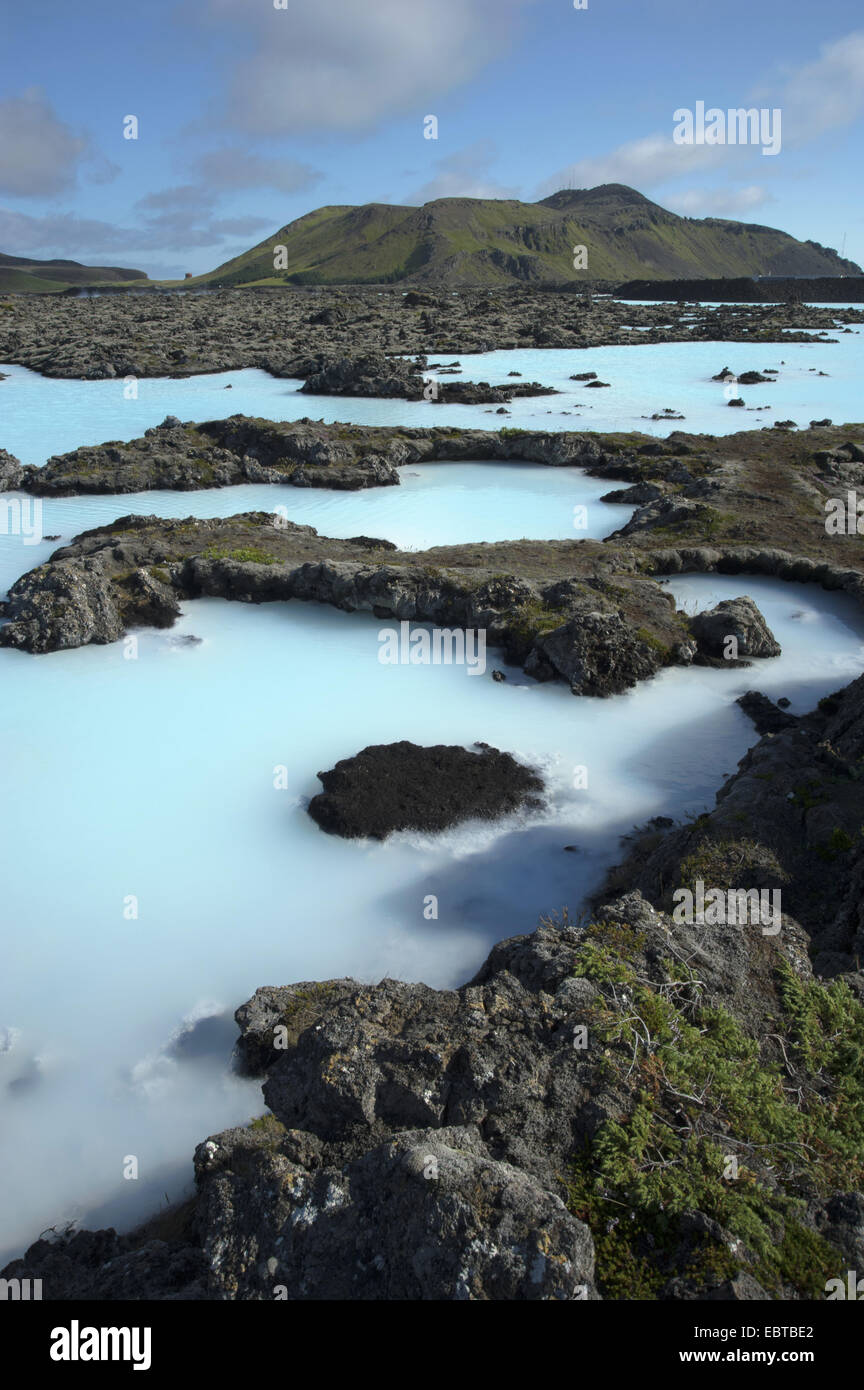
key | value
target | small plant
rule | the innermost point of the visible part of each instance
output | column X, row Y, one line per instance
column 244, row 555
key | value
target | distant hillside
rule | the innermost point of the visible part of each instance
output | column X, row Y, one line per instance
column 482, row 241
column 19, row 275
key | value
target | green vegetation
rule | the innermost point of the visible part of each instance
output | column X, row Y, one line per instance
column 527, row 623
column 711, row 1125
column 382, row 244
column 19, row 275
column 268, row 1125
column 729, row 864
column 244, row 555
column 839, row 841
column 663, row 651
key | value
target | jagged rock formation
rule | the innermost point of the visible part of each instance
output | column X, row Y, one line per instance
column 138, row 570
column 740, row 619
column 11, row 472
column 489, row 1143
column 373, row 374
column 790, row 818
column 285, row 331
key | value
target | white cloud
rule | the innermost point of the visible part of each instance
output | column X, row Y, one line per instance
column 233, row 168
column 644, row 163
column 339, row 65
column 722, row 202
column 464, row 174
column 824, row 95
column 180, row 229
column 39, row 155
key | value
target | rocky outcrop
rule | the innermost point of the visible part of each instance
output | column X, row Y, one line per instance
column 11, row 472
column 373, row 374
column 484, row 1143
column 597, row 653
column 302, row 453
column 790, row 818
column 738, row 619
column 136, row 572
column 287, row 331
column 402, row 786
column 368, row 374
column 767, row 717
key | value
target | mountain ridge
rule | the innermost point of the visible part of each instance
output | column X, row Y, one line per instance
column 454, row 242
column 21, row 275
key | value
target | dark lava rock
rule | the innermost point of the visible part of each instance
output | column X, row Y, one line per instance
column 371, row 543
column 376, row 374
column 752, row 379
column 738, row 618
column 402, row 786
column 11, row 472
column 498, row 676
column 368, row 374
column 584, row 376
column 768, row 717
column 598, row 383
column 737, row 401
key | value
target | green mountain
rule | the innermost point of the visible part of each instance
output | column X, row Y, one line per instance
column 19, row 275
column 484, row 241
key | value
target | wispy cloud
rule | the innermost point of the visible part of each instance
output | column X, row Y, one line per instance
column 826, row 94
column 718, row 202
column 179, row 228
column 464, row 174
column 338, row 65
column 39, row 154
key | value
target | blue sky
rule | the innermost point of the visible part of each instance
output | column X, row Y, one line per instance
column 250, row 116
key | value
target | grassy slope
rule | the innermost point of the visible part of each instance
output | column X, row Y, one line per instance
column 19, row 275
column 19, row 282
column 465, row 240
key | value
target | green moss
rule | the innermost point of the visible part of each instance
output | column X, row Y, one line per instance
column 729, row 863
column 528, row 622
column 267, row 1124
column 663, row 651
column 807, row 795
column 244, row 555
column 838, row 842
column 697, row 1091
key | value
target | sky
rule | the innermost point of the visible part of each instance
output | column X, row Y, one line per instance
column 251, row 113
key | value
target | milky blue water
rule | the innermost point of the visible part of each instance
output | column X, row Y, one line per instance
column 40, row 417
column 154, row 873
column 435, row 504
